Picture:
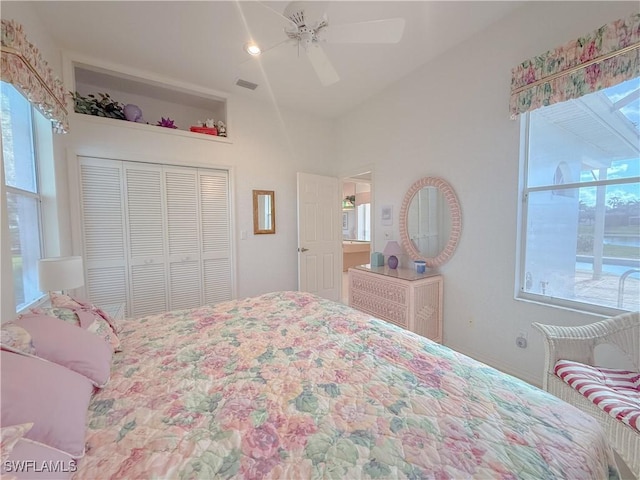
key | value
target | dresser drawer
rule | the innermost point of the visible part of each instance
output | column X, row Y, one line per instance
column 380, row 308
column 379, row 287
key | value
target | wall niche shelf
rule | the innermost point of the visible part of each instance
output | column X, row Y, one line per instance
column 110, row 122
column 157, row 99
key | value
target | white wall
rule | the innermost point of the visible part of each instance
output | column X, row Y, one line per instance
column 450, row 119
column 268, row 149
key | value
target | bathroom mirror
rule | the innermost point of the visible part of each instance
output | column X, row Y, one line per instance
column 264, row 212
column 430, row 221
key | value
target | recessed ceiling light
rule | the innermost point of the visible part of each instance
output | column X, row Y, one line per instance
column 252, row 49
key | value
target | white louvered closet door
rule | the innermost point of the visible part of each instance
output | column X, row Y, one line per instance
column 105, row 250
column 216, row 241
column 183, row 237
column 155, row 237
column 147, row 251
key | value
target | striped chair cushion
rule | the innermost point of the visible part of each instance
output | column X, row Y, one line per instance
column 617, row 392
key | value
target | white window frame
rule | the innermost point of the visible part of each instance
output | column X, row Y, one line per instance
column 524, row 190
column 38, row 124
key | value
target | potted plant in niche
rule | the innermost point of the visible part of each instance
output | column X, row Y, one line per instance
column 101, row 106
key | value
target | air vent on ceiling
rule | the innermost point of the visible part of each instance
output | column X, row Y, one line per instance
column 246, row 84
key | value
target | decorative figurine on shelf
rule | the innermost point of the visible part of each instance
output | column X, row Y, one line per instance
column 133, row 113
column 207, row 127
column 166, row 122
column 222, row 128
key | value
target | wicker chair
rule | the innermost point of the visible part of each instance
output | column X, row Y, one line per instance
column 578, row 344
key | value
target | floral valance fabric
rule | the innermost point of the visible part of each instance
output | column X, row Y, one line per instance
column 606, row 57
column 23, row 67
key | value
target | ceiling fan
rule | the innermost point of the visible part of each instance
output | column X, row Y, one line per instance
column 306, row 23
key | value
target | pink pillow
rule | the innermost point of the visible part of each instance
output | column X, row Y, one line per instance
column 51, row 397
column 71, row 347
column 33, row 460
column 88, row 321
column 65, row 301
column 84, row 315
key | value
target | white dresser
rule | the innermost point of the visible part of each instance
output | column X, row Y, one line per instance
column 402, row 296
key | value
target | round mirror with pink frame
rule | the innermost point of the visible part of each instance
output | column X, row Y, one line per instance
column 430, row 221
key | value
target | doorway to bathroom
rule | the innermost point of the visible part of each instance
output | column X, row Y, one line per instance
column 357, row 225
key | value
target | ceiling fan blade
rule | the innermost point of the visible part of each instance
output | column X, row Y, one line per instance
column 286, row 23
column 377, row 31
column 321, row 64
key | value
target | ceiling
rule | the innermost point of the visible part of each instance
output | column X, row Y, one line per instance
column 202, row 43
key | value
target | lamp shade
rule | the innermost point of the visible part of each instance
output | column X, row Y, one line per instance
column 60, row 273
column 392, row 248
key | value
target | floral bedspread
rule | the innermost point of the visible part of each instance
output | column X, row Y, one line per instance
column 287, row 385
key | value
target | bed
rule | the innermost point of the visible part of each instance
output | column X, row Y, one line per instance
column 289, row 385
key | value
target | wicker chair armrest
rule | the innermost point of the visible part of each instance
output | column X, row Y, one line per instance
column 568, row 343
column 578, row 343
column 555, row 332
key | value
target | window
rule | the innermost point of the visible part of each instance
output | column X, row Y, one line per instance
column 21, row 188
column 364, row 221
column 580, row 239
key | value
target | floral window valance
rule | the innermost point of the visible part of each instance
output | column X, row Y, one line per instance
column 23, row 67
column 606, row 57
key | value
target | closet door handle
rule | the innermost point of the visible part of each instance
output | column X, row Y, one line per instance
column 302, row 250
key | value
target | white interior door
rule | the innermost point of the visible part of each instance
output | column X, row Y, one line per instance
column 319, row 236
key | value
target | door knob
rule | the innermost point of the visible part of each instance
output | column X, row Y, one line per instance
column 302, row 250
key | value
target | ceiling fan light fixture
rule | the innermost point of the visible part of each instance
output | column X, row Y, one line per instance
column 307, row 25
column 252, row 49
